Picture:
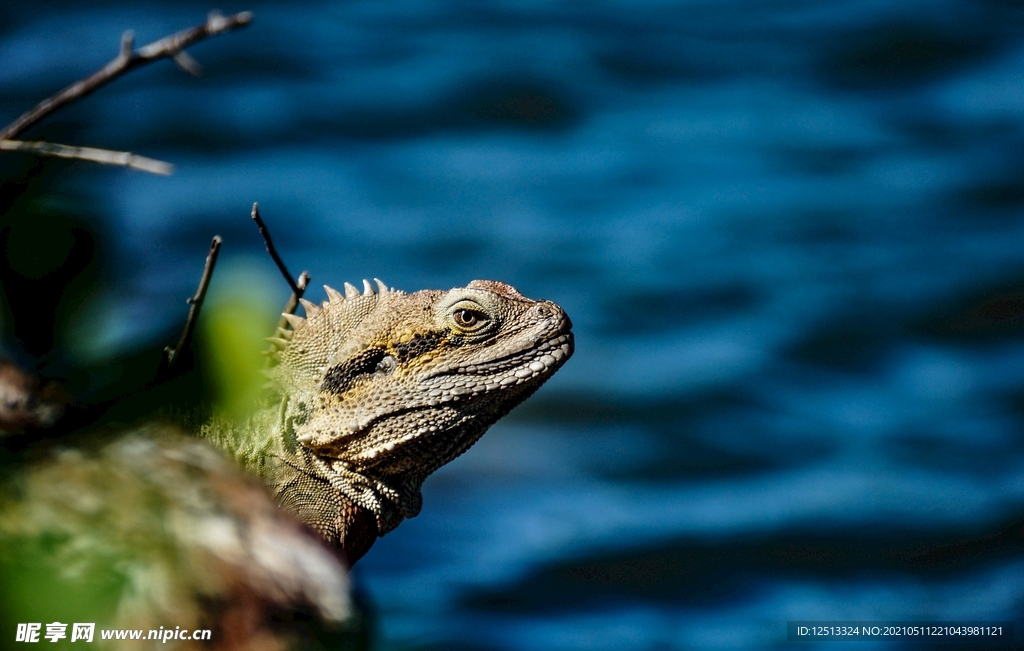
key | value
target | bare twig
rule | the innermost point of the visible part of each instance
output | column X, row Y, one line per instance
column 196, row 304
column 129, row 59
column 272, row 251
column 298, row 287
column 105, row 156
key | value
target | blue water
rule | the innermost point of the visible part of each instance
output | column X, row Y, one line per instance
column 788, row 234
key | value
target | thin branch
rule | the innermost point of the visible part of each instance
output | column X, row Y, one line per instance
column 273, row 252
column 105, row 156
column 298, row 288
column 196, row 304
column 128, row 59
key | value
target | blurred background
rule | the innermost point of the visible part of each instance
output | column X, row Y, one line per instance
column 788, row 234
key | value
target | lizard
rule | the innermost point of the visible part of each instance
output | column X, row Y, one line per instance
column 376, row 389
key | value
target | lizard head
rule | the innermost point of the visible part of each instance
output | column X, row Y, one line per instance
column 390, row 386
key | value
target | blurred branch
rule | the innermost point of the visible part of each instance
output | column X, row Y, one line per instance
column 196, row 303
column 298, row 287
column 128, row 58
column 105, row 156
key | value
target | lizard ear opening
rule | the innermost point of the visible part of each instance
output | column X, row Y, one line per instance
column 386, row 366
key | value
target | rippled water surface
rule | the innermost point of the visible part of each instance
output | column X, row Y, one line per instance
column 788, row 234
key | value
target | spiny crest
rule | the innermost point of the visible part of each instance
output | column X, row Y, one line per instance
column 305, row 348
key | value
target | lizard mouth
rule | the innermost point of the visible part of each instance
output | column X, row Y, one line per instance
column 539, row 354
column 543, row 359
column 523, row 371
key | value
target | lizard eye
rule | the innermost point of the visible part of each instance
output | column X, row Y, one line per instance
column 468, row 319
column 465, row 316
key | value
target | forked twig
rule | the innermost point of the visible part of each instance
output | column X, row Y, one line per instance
column 169, row 47
column 126, row 60
column 195, row 304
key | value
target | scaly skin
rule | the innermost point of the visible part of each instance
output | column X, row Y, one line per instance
column 378, row 389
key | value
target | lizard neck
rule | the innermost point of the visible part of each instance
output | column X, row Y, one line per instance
column 290, row 474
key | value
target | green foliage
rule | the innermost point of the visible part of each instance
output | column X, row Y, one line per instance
column 239, row 314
